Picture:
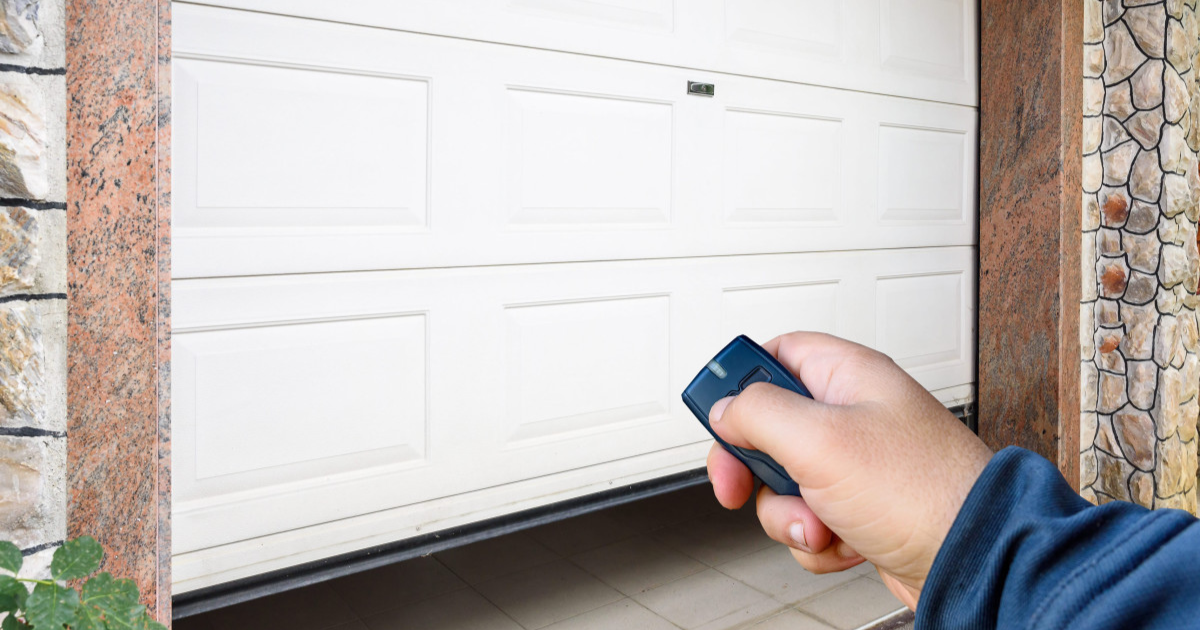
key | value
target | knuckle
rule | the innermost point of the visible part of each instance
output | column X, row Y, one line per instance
column 869, row 361
column 795, row 336
column 868, row 356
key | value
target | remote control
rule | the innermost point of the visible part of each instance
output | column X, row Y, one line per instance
column 741, row 363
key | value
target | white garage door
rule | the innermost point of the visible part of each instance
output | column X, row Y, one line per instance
column 436, row 261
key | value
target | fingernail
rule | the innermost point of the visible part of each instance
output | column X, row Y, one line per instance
column 846, row 551
column 718, row 408
column 796, row 531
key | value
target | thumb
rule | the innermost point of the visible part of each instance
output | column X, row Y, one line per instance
column 796, row 431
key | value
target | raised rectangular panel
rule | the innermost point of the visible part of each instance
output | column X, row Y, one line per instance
column 290, row 146
column 918, row 319
column 646, row 14
column 781, row 167
column 294, row 395
column 794, row 26
column 921, row 174
column 925, row 37
column 584, row 159
column 580, row 366
column 765, row 312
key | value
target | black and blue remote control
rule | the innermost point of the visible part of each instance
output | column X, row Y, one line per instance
column 741, row 363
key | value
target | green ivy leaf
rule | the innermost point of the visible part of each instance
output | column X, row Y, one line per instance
column 88, row 618
column 76, row 559
column 51, row 606
column 126, row 619
column 151, row 624
column 12, row 623
column 145, row 622
column 12, row 594
column 110, row 595
column 10, row 557
column 106, row 603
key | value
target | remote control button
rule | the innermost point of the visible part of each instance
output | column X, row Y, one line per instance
column 759, row 375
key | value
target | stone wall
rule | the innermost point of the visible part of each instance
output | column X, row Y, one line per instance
column 1138, row 335
column 33, row 301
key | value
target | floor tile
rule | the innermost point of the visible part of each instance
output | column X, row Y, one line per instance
column 701, row 598
column 716, row 538
column 622, row 615
column 853, row 604
column 588, row 531
column 310, row 608
column 395, row 585
column 742, row 617
column 789, row 620
column 869, row 570
column 542, row 595
column 638, row 564
column 460, row 610
column 865, row 568
column 495, row 557
column 774, row 571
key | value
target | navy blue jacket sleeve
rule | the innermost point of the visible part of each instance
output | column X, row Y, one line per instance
column 1026, row 552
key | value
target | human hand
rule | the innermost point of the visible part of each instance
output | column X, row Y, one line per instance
column 884, row 468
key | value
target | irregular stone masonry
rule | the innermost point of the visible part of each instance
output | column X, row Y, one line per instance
column 32, row 279
column 1140, row 370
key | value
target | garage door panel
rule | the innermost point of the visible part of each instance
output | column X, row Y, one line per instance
column 536, row 156
column 269, row 404
column 583, row 366
column 925, row 37
column 802, row 27
column 325, row 148
column 921, row 322
column 764, row 312
column 363, row 383
column 913, row 186
column 479, row 428
column 589, row 159
column 653, row 15
column 782, row 168
column 423, row 277
column 530, row 371
column 913, row 48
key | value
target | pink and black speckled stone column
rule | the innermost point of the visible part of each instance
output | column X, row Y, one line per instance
column 1030, row 99
column 118, row 205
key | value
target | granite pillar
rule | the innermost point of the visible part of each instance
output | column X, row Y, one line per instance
column 118, row 217
column 1030, row 99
